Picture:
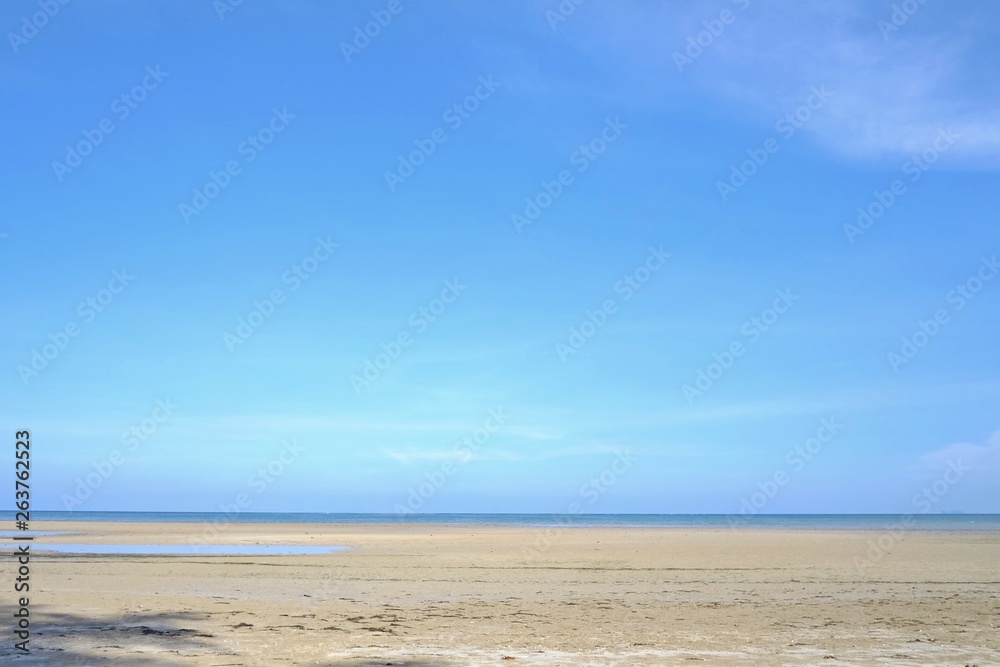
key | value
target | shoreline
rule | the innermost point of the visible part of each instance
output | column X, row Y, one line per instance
column 43, row 525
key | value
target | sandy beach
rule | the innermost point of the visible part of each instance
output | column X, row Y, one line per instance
column 425, row 595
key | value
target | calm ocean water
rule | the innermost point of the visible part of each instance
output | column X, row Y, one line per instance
column 793, row 521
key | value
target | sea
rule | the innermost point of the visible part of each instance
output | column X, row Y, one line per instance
column 933, row 522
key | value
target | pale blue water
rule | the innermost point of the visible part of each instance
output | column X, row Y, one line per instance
column 183, row 549
column 791, row 521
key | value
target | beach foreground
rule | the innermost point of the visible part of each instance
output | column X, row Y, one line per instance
column 425, row 595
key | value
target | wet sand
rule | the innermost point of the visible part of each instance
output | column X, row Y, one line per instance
column 426, row 595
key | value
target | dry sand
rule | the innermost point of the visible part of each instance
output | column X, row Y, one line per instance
column 424, row 595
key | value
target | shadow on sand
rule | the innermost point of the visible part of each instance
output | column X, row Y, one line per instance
column 139, row 640
column 146, row 640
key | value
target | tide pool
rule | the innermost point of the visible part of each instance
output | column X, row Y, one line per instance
column 184, row 549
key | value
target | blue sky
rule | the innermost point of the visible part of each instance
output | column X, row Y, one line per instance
column 634, row 251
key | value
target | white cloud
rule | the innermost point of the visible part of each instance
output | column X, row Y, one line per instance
column 891, row 97
column 406, row 457
column 413, row 455
column 981, row 457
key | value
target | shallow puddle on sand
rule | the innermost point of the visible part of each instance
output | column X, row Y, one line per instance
column 184, row 549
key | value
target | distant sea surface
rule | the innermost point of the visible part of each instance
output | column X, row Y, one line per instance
column 983, row 522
